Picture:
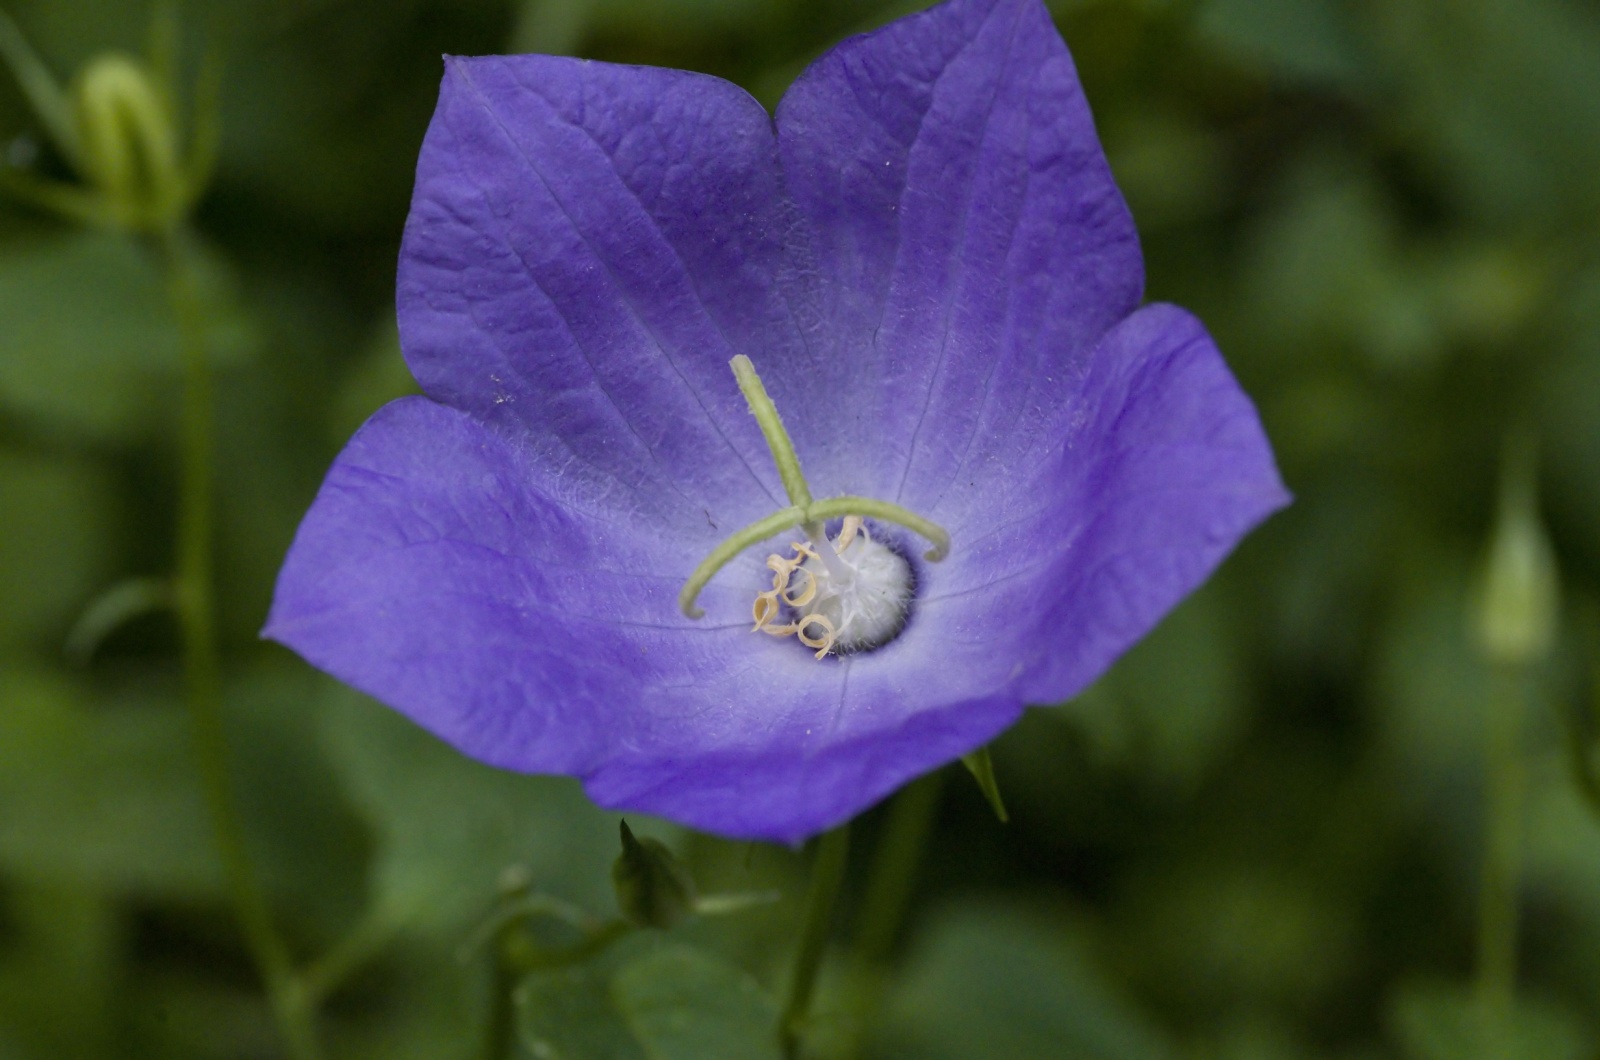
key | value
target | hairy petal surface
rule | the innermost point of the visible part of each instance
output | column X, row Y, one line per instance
column 588, row 245
column 974, row 245
column 433, row 574
column 1164, row 471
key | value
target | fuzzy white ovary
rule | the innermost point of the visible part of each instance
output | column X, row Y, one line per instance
column 864, row 591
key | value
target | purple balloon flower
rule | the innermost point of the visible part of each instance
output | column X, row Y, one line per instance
column 928, row 263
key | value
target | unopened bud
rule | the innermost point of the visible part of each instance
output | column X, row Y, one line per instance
column 654, row 889
column 129, row 140
column 1519, row 602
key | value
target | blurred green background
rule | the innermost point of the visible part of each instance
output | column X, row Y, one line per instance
column 1258, row 838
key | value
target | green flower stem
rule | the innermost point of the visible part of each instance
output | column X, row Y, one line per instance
column 891, row 879
column 1581, row 745
column 202, row 659
column 827, row 877
column 893, row 873
column 50, row 104
column 500, row 1028
column 766, row 414
column 515, row 954
column 321, row 977
column 1497, row 896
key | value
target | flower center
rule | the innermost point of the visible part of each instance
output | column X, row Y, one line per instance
column 844, row 594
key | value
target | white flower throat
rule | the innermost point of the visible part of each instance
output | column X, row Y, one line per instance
column 835, row 595
column 843, row 595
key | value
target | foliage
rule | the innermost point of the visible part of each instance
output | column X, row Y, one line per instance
column 1258, row 837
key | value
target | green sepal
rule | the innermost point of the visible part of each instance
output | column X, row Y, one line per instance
column 981, row 766
column 654, row 889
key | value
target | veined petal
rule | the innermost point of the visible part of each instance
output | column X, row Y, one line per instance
column 783, row 794
column 588, row 246
column 960, row 205
column 1164, row 471
column 530, row 633
column 432, row 573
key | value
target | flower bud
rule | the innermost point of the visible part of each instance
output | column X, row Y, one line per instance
column 129, row 142
column 654, row 889
column 1519, row 600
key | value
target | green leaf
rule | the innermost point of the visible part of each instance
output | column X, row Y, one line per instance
column 1236, row 929
column 45, row 96
column 110, row 798
column 377, row 377
column 1561, row 851
column 59, row 969
column 448, row 826
column 109, row 794
column 981, row 765
column 1329, row 265
column 650, row 1002
column 55, row 534
column 1431, row 692
column 683, row 1004
column 107, row 364
column 1565, row 397
column 1177, row 701
column 1440, row 1021
column 990, row 982
column 1304, row 40
column 568, row 1015
column 1501, row 98
column 1149, row 148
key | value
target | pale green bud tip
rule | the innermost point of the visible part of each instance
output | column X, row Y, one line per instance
column 1519, row 600
column 128, row 137
column 654, row 889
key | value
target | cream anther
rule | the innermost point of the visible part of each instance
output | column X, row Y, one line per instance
column 856, row 592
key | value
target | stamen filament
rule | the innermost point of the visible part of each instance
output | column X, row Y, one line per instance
column 766, row 414
column 835, row 507
column 827, row 553
column 817, row 512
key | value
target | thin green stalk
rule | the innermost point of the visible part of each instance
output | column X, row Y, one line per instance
column 893, row 874
column 500, row 1028
column 202, row 660
column 827, row 877
column 891, row 880
column 515, row 954
column 1581, row 745
column 1497, row 896
column 50, row 104
column 350, row 954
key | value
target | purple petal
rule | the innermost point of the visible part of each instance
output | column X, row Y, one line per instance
column 960, row 203
column 937, row 314
column 1164, row 471
column 588, row 246
column 433, row 574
